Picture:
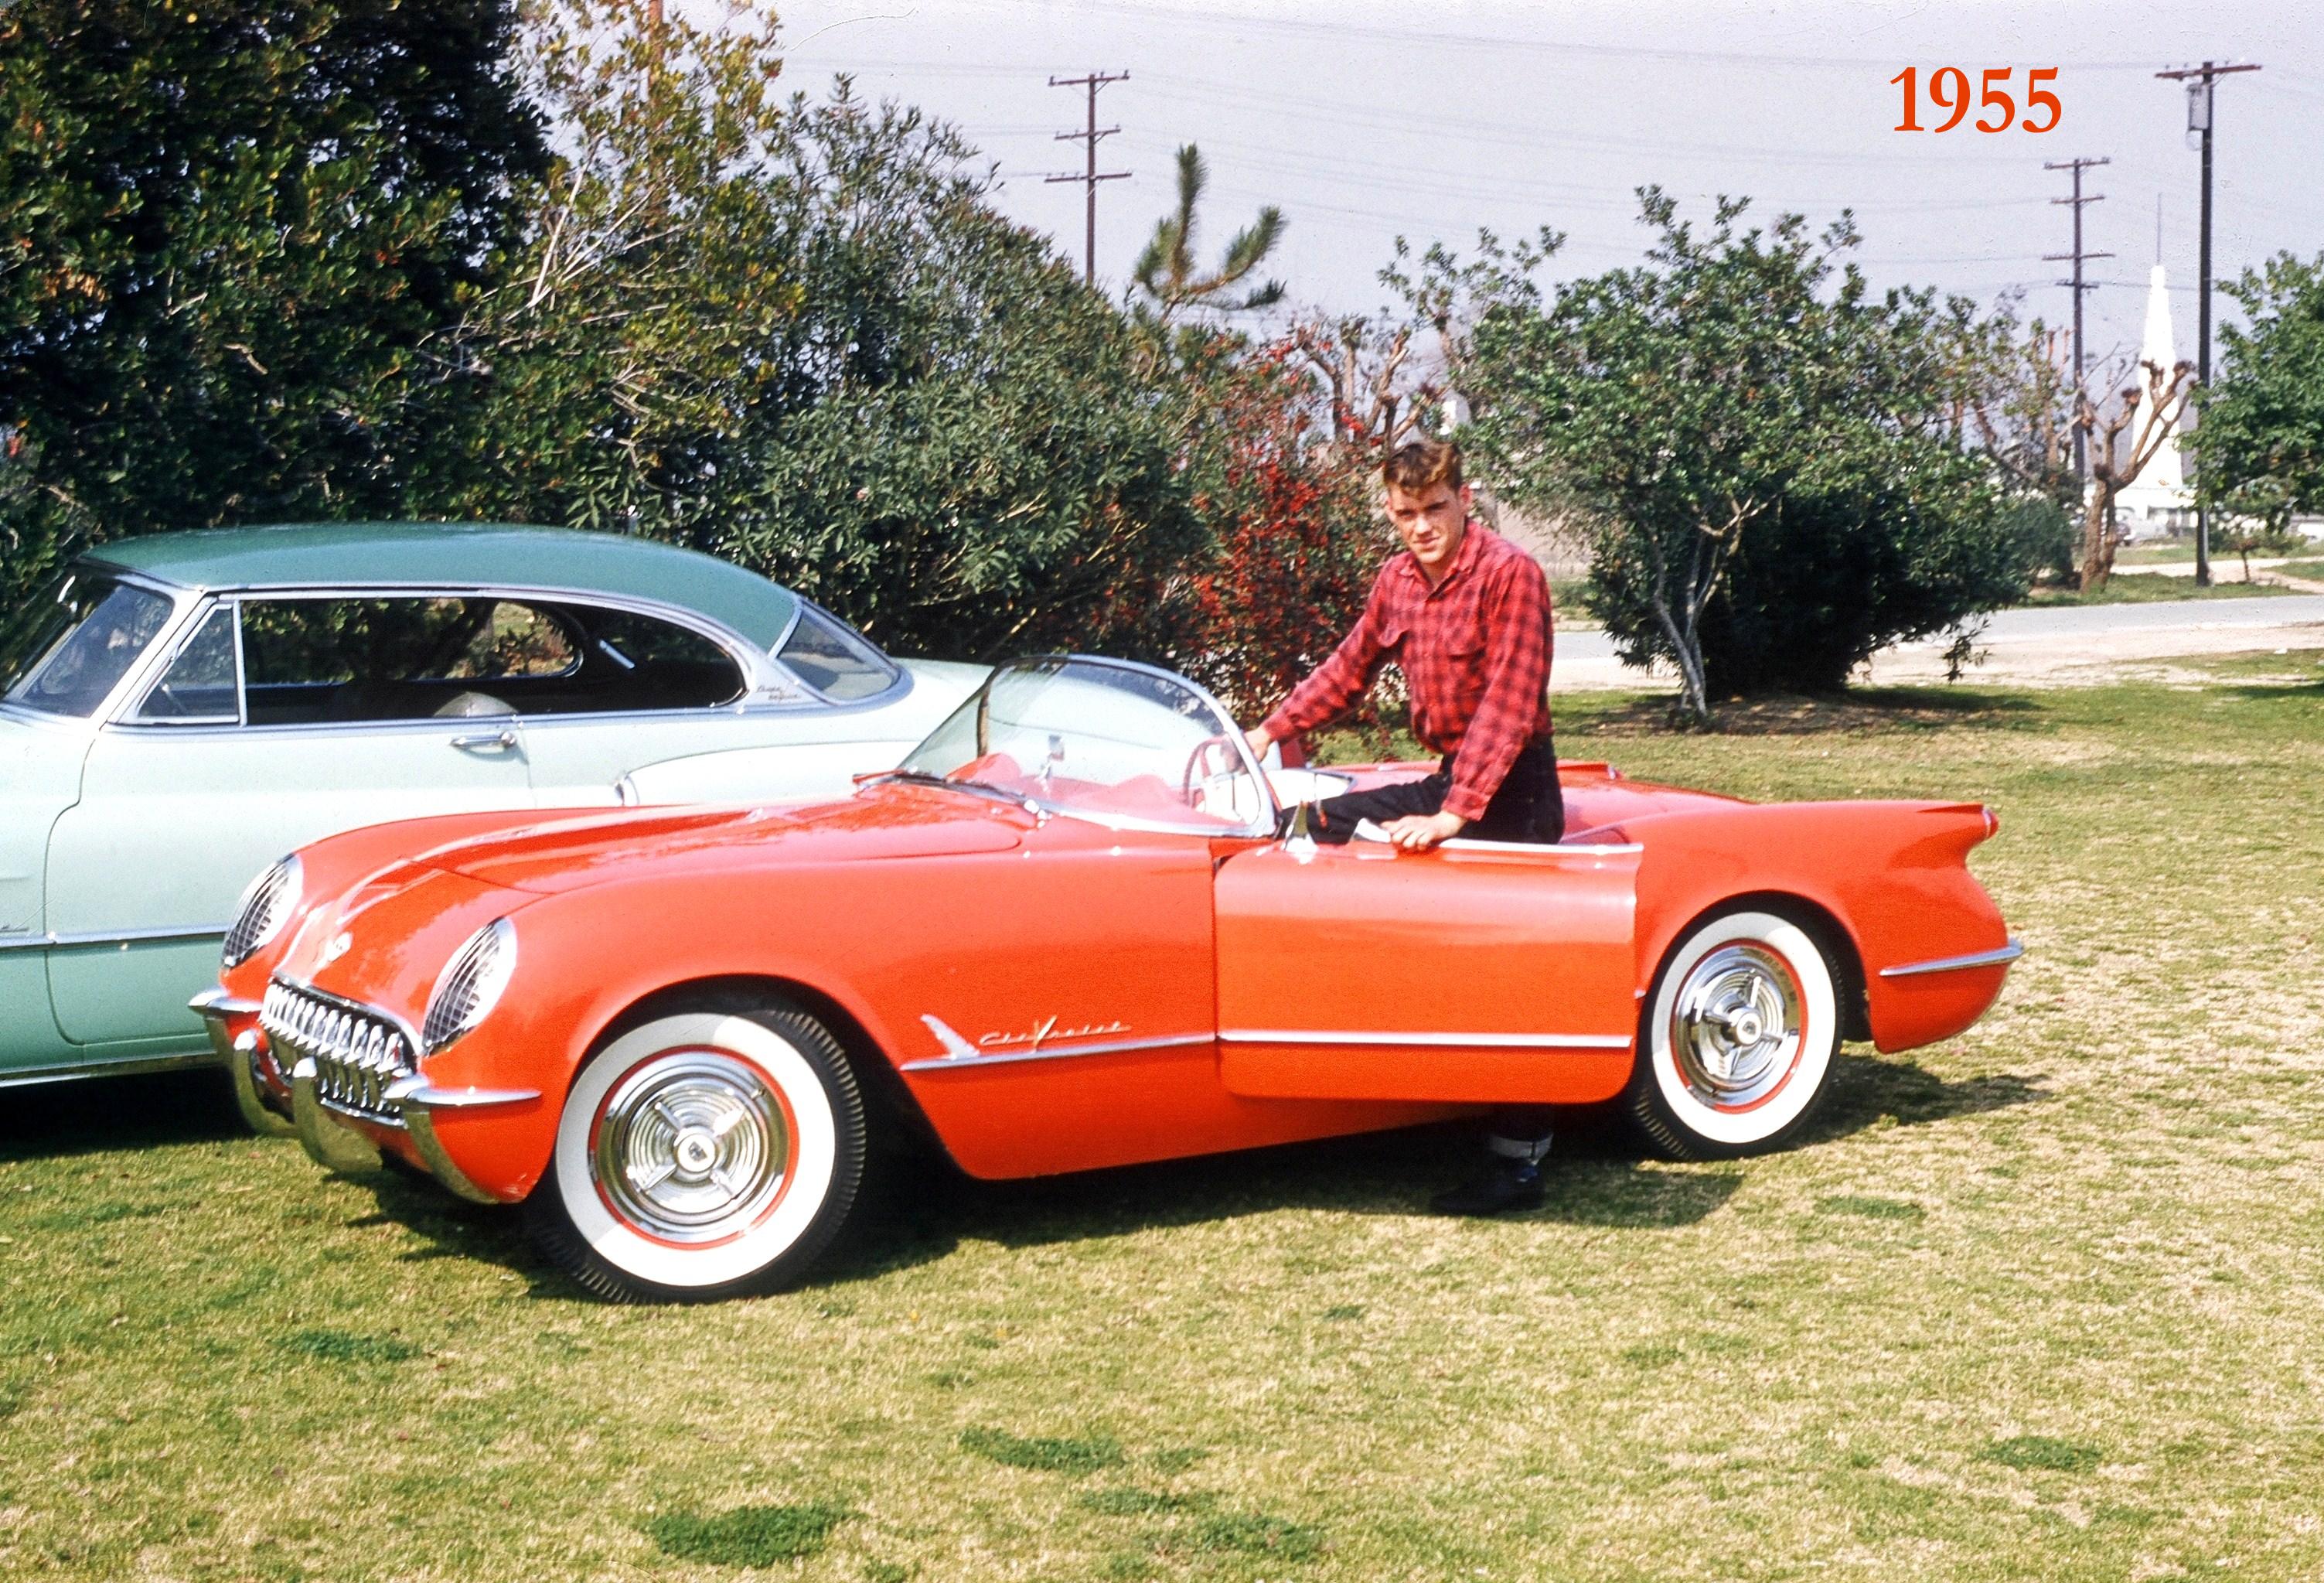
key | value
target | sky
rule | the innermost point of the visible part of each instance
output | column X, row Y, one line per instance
column 1365, row 121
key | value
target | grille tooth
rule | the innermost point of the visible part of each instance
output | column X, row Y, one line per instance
column 357, row 1052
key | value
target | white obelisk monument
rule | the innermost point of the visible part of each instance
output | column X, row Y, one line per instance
column 2159, row 501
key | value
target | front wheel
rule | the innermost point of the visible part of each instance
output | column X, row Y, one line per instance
column 709, row 1153
column 1736, row 1042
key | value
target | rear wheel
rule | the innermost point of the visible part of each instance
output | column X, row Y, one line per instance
column 1736, row 1042
column 714, row 1151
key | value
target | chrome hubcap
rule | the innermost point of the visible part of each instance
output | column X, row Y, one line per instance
column 691, row 1147
column 1736, row 1026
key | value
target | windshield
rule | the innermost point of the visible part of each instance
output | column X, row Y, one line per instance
column 64, row 652
column 1125, row 745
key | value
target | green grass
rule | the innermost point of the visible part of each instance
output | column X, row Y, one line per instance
column 2037, row 1303
column 2152, row 587
column 2312, row 569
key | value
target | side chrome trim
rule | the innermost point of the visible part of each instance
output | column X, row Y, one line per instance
column 1998, row 957
column 31, row 1076
column 944, row 1063
column 1538, row 848
column 1432, row 1041
column 116, row 936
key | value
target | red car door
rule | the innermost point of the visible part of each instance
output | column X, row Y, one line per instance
column 1475, row 972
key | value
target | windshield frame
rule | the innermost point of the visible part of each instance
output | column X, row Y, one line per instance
column 1262, row 827
column 143, row 670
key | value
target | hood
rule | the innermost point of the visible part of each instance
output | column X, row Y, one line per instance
column 882, row 822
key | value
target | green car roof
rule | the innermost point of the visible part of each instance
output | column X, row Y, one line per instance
column 460, row 554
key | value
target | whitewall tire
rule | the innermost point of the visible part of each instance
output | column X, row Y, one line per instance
column 712, row 1151
column 1737, row 1038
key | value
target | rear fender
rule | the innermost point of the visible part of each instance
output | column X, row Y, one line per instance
column 1892, row 877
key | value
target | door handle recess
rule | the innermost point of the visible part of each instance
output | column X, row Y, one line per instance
column 502, row 738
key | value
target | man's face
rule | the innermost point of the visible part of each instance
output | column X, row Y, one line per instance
column 1430, row 521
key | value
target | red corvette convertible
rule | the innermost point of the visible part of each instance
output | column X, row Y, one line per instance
column 1062, row 934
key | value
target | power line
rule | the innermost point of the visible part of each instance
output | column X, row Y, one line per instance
column 1092, row 176
column 2081, row 288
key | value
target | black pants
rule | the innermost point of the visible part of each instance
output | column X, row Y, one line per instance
column 1527, row 807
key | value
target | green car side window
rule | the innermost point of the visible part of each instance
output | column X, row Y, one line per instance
column 831, row 658
column 200, row 687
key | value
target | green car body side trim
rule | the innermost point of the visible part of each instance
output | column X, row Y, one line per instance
column 460, row 555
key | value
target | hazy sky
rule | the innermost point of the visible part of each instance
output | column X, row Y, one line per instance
column 1362, row 121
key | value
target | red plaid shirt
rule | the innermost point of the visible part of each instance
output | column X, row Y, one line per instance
column 1474, row 650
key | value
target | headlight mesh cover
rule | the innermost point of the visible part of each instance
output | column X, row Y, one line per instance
column 264, row 908
column 465, row 994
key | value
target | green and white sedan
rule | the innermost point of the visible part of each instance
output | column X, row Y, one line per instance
column 178, row 712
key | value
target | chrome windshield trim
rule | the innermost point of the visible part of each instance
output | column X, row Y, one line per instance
column 1262, row 826
column 2000, row 957
column 942, row 1063
column 1433, row 1040
column 108, row 937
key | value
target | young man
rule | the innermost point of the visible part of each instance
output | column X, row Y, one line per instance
column 1465, row 615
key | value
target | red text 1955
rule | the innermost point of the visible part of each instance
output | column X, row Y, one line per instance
column 1948, row 91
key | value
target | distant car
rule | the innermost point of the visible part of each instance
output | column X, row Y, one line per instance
column 179, row 711
column 1064, row 934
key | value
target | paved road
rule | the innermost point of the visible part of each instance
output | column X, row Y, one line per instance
column 2038, row 640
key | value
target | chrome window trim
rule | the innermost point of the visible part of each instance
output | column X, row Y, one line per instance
column 1433, row 1040
column 757, row 669
column 122, row 937
column 2000, row 955
column 208, row 606
column 900, row 676
column 944, row 1063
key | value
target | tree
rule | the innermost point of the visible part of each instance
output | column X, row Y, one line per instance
column 795, row 334
column 1173, row 283
column 1778, row 469
column 1295, row 537
column 2259, row 446
column 2111, row 468
column 230, row 229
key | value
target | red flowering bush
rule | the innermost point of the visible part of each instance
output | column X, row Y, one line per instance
column 1296, row 538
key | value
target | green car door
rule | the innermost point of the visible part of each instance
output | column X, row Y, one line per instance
column 278, row 720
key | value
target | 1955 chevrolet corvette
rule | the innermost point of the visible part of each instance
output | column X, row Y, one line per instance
column 1062, row 934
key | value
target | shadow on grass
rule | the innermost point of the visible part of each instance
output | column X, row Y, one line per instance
column 923, row 1208
column 88, row 1115
column 1858, row 711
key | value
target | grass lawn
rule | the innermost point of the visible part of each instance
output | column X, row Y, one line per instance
column 2306, row 569
column 2154, row 587
column 2039, row 1304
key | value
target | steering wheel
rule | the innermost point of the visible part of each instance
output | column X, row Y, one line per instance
column 1215, row 763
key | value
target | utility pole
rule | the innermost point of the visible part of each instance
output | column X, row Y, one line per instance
column 2198, row 79
column 1092, row 176
column 2081, row 363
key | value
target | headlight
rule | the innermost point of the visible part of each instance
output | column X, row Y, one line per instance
column 471, row 986
column 267, row 906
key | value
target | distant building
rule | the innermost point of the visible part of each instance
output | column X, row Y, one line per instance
column 2159, row 501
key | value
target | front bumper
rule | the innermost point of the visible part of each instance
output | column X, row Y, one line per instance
column 339, row 1124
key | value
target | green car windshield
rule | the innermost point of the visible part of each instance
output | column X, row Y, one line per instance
column 65, row 651
column 1121, row 743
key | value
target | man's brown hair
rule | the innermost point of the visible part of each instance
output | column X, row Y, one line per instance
column 1418, row 466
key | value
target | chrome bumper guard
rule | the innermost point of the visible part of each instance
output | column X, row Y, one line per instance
column 344, row 1060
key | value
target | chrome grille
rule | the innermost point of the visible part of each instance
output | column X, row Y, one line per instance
column 357, row 1051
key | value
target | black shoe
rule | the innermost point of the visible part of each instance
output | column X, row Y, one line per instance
column 1505, row 1185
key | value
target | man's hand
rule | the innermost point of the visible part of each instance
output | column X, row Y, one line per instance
column 1259, row 741
column 1419, row 831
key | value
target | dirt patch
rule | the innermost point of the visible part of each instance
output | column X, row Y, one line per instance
column 1892, row 709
